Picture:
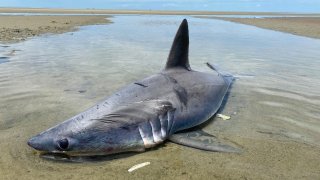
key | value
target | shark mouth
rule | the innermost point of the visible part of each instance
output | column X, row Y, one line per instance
column 62, row 157
column 57, row 156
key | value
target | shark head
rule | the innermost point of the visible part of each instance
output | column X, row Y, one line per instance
column 88, row 137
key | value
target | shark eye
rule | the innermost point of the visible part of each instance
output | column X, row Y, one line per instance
column 63, row 144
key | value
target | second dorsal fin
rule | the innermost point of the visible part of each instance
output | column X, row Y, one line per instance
column 178, row 56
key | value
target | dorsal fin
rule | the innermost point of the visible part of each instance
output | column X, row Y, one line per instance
column 178, row 56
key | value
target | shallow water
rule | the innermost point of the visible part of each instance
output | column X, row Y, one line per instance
column 275, row 111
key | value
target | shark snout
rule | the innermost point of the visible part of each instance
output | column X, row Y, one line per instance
column 41, row 143
column 35, row 143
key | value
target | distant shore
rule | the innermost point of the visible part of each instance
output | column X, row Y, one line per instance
column 302, row 26
column 107, row 11
column 14, row 28
column 19, row 28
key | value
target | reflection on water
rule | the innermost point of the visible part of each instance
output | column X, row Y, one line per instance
column 4, row 59
column 275, row 114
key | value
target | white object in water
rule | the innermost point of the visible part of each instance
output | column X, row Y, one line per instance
column 135, row 167
column 223, row 117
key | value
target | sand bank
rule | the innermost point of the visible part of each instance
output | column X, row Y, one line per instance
column 17, row 28
column 302, row 26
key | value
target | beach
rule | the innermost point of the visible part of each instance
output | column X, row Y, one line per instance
column 15, row 28
column 273, row 103
column 18, row 28
column 302, row 26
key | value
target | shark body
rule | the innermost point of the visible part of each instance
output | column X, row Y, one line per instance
column 145, row 113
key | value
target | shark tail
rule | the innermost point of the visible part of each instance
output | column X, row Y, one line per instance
column 226, row 75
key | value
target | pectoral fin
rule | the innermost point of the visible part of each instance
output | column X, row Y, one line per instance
column 201, row 140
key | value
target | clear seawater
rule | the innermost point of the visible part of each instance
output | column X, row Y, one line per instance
column 274, row 104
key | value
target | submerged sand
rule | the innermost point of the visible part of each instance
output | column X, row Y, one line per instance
column 267, row 154
column 17, row 28
column 302, row 26
column 264, row 122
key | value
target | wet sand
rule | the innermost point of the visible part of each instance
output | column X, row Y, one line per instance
column 18, row 28
column 302, row 26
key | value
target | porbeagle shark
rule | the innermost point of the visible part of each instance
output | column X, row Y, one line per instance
column 147, row 112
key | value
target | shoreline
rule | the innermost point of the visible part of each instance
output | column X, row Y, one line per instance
column 16, row 28
column 301, row 26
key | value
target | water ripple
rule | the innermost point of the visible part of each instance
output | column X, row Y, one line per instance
column 288, row 94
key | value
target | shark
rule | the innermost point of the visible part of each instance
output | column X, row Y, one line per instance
column 148, row 112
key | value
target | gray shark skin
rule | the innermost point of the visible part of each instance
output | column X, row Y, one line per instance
column 145, row 113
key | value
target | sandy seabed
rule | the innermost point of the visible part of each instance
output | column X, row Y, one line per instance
column 264, row 156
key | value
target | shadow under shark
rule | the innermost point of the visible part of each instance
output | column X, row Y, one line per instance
column 146, row 113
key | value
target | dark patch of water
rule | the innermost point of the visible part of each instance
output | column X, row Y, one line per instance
column 4, row 59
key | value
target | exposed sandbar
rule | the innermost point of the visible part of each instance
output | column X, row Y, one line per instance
column 17, row 28
column 302, row 26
